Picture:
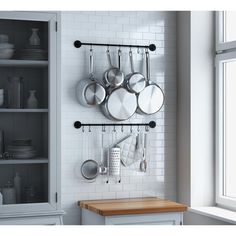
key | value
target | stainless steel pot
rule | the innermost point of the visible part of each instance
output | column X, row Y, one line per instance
column 135, row 81
column 151, row 99
column 119, row 104
column 113, row 77
column 90, row 92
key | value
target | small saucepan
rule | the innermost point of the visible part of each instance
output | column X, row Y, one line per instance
column 135, row 81
column 90, row 92
column 151, row 99
column 113, row 77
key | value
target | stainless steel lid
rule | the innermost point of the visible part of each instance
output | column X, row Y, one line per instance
column 151, row 99
column 137, row 82
column 121, row 104
column 94, row 93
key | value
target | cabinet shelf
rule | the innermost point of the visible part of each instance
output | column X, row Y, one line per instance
column 6, row 110
column 23, row 63
column 23, row 161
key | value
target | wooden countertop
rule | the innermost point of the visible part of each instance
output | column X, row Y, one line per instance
column 132, row 206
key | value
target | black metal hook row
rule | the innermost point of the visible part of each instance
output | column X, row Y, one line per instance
column 151, row 47
column 151, row 124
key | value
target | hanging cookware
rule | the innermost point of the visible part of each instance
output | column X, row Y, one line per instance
column 119, row 104
column 135, row 81
column 113, row 77
column 90, row 92
column 90, row 169
column 151, row 99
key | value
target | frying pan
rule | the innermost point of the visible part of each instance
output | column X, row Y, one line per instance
column 119, row 104
column 135, row 81
column 151, row 99
column 90, row 92
column 113, row 77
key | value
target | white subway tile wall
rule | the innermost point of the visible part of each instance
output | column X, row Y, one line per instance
column 121, row 28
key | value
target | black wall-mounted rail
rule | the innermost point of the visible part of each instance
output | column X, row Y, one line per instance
column 151, row 124
column 151, row 47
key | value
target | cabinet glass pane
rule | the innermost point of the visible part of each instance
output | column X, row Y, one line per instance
column 229, row 129
column 25, row 151
column 229, row 26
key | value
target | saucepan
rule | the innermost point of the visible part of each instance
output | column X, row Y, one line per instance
column 113, row 77
column 151, row 99
column 135, row 81
column 90, row 92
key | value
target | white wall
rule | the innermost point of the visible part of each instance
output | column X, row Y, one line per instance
column 126, row 28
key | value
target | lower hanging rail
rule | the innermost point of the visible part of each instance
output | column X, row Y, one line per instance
column 151, row 124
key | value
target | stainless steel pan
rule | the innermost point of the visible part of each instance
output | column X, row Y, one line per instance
column 90, row 92
column 113, row 77
column 151, row 99
column 135, row 81
column 119, row 104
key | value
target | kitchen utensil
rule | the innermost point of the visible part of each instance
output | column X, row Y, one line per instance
column 114, row 161
column 102, row 167
column 151, row 99
column 1, row 197
column 90, row 169
column 113, row 77
column 143, row 163
column 9, row 194
column 119, row 104
column 90, row 92
column 135, row 81
column 15, row 92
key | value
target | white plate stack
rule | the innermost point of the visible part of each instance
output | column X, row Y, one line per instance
column 6, row 49
column 21, row 149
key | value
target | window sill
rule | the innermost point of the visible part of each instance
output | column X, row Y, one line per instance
column 215, row 212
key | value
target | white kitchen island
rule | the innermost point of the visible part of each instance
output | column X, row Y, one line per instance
column 137, row 211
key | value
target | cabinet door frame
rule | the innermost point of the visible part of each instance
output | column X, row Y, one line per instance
column 53, row 113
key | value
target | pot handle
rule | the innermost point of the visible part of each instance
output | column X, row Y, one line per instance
column 91, row 74
column 119, row 58
column 147, row 65
column 109, row 58
column 131, row 61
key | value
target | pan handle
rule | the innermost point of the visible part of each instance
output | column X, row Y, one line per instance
column 147, row 65
column 109, row 58
column 119, row 58
column 131, row 61
column 91, row 73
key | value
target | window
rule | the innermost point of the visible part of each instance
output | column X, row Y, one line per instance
column 226, row 109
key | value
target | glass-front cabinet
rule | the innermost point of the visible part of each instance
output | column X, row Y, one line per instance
column 29, row 157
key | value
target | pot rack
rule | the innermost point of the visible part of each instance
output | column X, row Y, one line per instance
column 151, row 124
column 151, row 47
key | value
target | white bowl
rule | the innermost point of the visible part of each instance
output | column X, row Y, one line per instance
column 6, row 53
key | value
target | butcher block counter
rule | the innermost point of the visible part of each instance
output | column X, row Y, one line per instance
column 132, row 211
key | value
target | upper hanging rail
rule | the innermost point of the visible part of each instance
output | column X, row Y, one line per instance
column 151, row 47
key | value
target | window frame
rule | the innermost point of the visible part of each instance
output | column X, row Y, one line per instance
column 220, row 44
column 225, row 51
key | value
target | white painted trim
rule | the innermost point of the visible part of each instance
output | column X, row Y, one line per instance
column 216, row 213
column 219, row 139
